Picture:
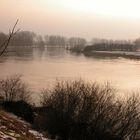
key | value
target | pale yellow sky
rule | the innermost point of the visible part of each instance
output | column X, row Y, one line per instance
column 116, row 19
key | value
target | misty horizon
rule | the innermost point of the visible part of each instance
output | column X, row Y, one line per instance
column 117, row 20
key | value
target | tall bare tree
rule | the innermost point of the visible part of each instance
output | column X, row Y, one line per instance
column 5, row 44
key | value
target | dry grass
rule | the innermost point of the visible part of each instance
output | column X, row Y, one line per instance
column 13, row 128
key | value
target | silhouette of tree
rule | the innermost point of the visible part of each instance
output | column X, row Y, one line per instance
column 5, row 44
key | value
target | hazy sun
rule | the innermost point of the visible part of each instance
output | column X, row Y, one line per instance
column 121, row 8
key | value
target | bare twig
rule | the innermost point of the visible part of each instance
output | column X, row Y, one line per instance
column 7, row 41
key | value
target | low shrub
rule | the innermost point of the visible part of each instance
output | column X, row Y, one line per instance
column 79, row 110
column 14, row 89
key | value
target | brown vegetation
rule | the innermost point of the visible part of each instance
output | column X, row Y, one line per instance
column 14, row 89
column 76, row 110
column 89, row 111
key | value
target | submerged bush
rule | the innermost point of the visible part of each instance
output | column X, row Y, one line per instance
column 79, row 110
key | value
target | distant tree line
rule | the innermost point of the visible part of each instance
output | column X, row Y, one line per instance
column 22, row 38
column 27, row 38
column 109, row 41
column 111, row 47
column 137, row 42
column 61, row 41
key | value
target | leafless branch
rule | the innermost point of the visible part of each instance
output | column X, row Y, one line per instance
column 4, row 46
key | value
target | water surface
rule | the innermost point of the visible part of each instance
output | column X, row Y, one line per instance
column 41, row 67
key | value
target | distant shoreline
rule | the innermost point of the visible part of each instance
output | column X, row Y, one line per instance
column 130, row 55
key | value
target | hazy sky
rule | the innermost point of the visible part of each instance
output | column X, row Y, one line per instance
column 117, row 19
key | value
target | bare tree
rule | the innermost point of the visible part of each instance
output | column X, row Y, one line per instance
column 91, row 111
column 5, row 44
column 14, row 89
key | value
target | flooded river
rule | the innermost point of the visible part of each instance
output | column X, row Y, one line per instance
column 40, row 68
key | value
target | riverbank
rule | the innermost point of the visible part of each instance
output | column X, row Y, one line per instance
column 13, row 128
column 129, row 55
column 70, row 110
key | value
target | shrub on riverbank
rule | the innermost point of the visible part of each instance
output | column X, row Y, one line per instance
column 76, row 110
column 16, row 97
column 12, row 88
column 90, row 111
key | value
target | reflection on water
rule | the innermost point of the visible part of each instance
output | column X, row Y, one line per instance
column 40, row 67
column 19, row 53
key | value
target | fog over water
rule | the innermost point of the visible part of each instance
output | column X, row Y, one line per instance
column 40, row 68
